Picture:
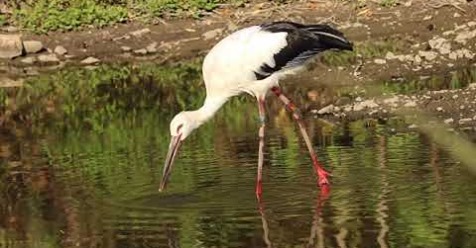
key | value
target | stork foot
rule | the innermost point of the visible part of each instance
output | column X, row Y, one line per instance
column 323, row 174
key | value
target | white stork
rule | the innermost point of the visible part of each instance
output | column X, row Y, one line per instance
column 253, row 60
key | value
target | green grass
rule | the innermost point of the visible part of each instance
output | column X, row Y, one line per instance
column 49, row 15
column 160, row 8
column 41, row 16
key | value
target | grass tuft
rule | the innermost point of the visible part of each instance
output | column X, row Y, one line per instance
column 49, row 15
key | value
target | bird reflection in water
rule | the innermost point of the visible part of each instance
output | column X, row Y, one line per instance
column 316, row 229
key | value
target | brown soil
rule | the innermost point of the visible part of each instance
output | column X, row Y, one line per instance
column 179, row 39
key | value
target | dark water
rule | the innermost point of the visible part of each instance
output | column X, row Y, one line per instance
column 97, row 186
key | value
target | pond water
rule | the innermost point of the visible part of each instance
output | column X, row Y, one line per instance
column 86, row 180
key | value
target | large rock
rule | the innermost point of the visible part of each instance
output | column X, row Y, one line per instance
column 32, row 46
column 11, row 46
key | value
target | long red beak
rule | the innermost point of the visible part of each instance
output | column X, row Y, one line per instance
column 174, row 146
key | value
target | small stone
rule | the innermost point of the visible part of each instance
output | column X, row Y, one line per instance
column 212, row 34
column 410, row 104
column 456, row 15
column 142, row 51
column 449, row 32
column 448, row 121
column 380, row 61
column 466, row 53
column 60, row 50
column 140, row 32
column 8, row 82
column 126, row 49
column 450, row 65
column 439, row 109
column 428, row 55
column 152, row 48
column 445, row 48
column 10, row 29
column 33, row 46
column 436, row 42
column 326, row 110
column 48, row 58
column 409, row 57
column 417, row 59
column 428, row 17
column 455, row 96
column 29, row 60
column 90, row 61
column 463, row 37
column 462, row 107
column 370, row 104
column 428, row 66
column 11, row 46
column 400, row 57
column 390, row 56
column 413, row 126
column 464, row 121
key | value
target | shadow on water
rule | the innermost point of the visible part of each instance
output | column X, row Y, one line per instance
column 81, row 154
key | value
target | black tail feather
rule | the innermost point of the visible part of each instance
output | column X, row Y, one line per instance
column 330, row 37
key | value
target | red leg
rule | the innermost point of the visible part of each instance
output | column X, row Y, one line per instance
column 321, row 173
column 262, row 117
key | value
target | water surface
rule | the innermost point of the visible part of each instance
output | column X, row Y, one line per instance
column 92, row 181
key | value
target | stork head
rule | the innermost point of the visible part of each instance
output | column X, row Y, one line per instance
column 180, row 128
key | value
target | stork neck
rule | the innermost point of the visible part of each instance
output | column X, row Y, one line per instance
column 209, row 108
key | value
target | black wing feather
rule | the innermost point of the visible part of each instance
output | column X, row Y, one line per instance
column 303, row 42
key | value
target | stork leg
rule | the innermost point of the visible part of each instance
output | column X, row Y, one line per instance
column 262, row 118
column 320, row 172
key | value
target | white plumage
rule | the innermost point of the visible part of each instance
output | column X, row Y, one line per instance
column 237, row 57
column 253, row 60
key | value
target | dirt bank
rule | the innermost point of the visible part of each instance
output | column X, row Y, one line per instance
column 406, row 28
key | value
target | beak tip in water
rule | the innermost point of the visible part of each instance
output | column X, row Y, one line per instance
column 161, row 187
